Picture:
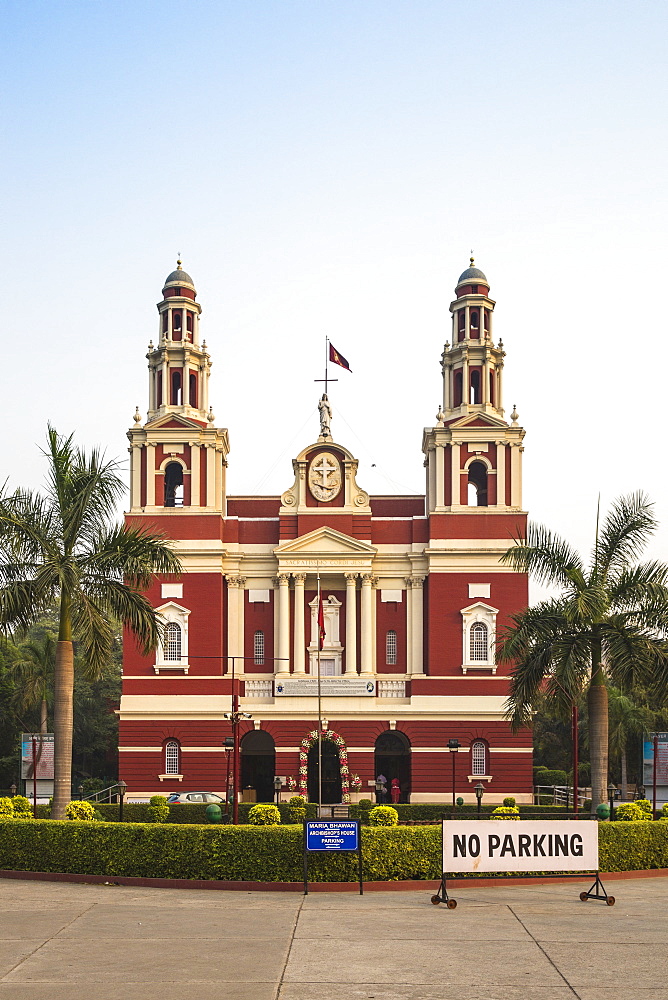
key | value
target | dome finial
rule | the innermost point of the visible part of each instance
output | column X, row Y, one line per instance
column 178, row 260
column 472, row 258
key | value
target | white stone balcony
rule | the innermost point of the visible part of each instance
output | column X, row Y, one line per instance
column 391, row 689
column 260, row 689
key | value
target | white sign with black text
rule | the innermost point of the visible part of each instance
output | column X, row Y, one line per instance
column 520, row 845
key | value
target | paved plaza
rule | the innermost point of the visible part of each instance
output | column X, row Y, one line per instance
column 60, row 941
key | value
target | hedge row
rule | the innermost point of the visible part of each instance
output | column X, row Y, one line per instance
column 137, row 812
column 266, row 854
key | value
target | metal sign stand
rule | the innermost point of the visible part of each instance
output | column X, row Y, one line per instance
column 328, row 827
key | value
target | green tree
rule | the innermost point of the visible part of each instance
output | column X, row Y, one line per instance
column 628, row 719
column 64, row 547
column 32, row 665
column 607, row 624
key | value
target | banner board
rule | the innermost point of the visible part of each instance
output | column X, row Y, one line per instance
column 478, row 846
column 43, row 755
column 332, row 835
column 330, row 687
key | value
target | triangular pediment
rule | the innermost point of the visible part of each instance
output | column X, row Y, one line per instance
column 175, row 421
column 478, row 420
column 328, row 541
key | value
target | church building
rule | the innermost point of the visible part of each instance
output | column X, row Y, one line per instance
column 412, row 592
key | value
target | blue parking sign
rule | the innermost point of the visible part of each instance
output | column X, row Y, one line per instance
column 332, row 835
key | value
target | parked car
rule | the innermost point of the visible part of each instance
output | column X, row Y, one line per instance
column 183, row 798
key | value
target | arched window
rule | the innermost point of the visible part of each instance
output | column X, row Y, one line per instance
column 474, row 320
column 174, row 485
column 474, row 394
column 176, row 388
column 478, row 758
column 165, row 321
column 176, row 320
column 193, row 389
column 258, row 649
column 172, row 757
column 479, row 643
column 391, row 648
column 189, row 322
column 458, row 388
column 478, row 480
column 158, row 389
column 172, row 642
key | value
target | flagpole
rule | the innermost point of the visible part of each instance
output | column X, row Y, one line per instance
column 326, row 361
column 319, row 708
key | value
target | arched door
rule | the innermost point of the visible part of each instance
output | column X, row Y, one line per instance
column 331, row 773
column 258, row 764
column 393, row 760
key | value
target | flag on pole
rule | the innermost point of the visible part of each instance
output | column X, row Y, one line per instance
column 321, row 624
column 338, row 359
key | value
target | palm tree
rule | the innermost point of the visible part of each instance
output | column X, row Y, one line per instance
column 63, row 547
column 627, row 719
column 32, row 665
column 608, row 624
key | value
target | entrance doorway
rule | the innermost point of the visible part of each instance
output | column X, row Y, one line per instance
column 393, row 759
column 258, row 764
column 331, row 773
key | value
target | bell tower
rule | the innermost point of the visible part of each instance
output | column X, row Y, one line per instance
column 178, row 458
column 473, row 456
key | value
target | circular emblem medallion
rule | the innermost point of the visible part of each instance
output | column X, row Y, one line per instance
column 324, row 476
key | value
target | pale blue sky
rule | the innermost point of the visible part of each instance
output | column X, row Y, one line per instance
column 324, row 168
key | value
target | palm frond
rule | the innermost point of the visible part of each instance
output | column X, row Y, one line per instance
column 133, row 554
column 547, row 557
column 624, row 534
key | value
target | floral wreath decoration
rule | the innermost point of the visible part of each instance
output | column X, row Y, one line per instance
column 340, row 744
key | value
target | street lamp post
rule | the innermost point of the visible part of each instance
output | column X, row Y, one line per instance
column 228, row 744
column 12, row 789
column 122, row 788
column 278, row 784
column 611, row 799
column 453, row 747
column 479, row 792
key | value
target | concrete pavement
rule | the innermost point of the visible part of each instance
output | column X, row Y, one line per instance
column 59, row 941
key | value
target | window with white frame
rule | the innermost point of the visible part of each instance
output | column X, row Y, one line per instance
column 391, row 648
column 172, row 651
column 478, row 758
column 478, row 637
column 172, row 754
column 172, row 642
column 258, row 649
column 478, row 642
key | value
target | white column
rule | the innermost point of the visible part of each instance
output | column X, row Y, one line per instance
column 466, row 388
column 218, row 459
column 485, row 373
column 241, row 609
column 195, row 478
column 299, row 656
column 500, row 474
column 409, row 624
column 283, row 664
column 440, row 475
column 150, row 475
column 447, row 395
column 455, row 475
column 233, row 623
column 135, row 474
column 351, row 623
column 417, row 665
column 515, row 475
column 210, row 475
column 366, row 663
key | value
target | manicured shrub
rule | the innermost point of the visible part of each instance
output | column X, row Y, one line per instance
column 297, row 806
column 552, row 777
column 506, row 812
column 264, row 814
column 632, row 811
column 366, row 804
column 6, row 807
column 664, row 810
column 80, row 810
column 383, row 816
column 510, row 800
column 158, row 810
column 644, row 804
column 22, row 807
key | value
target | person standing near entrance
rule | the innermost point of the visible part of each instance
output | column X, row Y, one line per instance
column 381, row 788
column 395, row 790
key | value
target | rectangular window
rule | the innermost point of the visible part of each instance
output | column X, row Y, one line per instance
column 478, row 758
column 258, row 649
column 391, row 648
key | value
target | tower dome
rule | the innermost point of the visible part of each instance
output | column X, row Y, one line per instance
column 179, row 277
column 472, row 275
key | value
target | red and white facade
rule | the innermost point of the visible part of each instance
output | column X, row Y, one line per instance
column 413, row 591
